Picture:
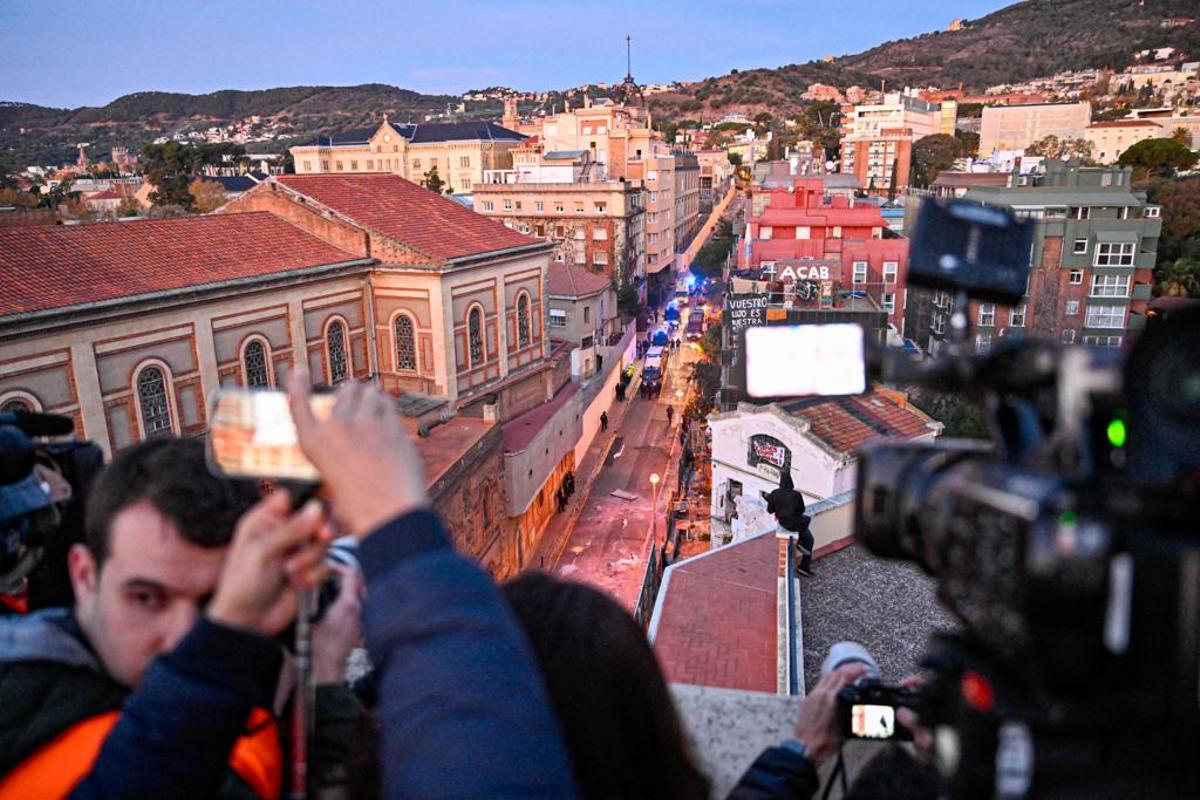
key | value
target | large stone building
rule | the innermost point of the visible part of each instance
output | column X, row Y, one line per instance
column 1015, row 127
column 459, row 151
column 1111, row 138
column 877, row 138
column 1093, row 260
column 129, row 328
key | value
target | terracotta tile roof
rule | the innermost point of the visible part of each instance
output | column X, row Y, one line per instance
column 844, row 423
column 53, row 267
column 408, row 213
column 718, row 621
column 569, row 280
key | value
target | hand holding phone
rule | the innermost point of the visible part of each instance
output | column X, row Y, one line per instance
column 368, row 463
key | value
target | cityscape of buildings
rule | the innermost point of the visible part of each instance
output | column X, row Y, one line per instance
column 503, row 279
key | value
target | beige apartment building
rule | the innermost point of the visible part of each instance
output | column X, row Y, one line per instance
column 460, row 151
column 1018, row 126
column 1110, row 139
column 877, row 138
column 598, row 224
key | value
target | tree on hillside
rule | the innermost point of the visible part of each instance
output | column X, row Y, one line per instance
column 206, row 195
column 1182, row 135
column 1180, row 201
column 433, row 182
column 170, row 168
column 1062, row 149
column 933, row 154
column 1180, row 278
column 969, row 141
column 735, row 159
column 15, row 197
column 1151, row 158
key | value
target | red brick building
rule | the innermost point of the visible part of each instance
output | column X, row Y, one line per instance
column 802, row 223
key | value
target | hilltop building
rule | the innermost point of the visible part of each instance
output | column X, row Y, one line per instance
column 1110, row 139
column 1015, row 127
column 459, row 151
column 877, row 138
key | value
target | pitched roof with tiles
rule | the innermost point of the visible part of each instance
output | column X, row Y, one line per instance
column 845, row 423
column 423, row 132
column 718, row 618
column 569, row 280
column 408, row 213
column 56, row 267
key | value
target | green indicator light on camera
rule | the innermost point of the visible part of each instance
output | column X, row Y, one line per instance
column 1067, row 518
column 1116, row 433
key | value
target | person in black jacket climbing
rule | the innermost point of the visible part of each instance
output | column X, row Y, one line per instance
column 787, row 505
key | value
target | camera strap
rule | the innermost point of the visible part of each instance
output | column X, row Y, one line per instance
column 839, row 771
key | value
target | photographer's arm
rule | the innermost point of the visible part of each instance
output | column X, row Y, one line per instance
column 790, row 771
column 463, row 711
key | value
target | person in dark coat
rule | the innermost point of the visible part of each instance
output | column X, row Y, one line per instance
column 787, row 505
column 603, row 421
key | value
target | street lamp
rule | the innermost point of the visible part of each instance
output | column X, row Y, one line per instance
column 654, row 479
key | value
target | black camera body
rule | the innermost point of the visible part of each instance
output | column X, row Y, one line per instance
column 43, row 485
column 866, row 709
column 1068, row 548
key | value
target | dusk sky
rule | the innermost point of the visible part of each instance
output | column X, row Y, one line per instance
column 70, row 53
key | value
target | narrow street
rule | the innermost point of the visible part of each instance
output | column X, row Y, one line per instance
column 608, row 545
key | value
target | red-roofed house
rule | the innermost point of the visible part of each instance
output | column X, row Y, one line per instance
column 803, row 223
column 815, row 439
column 457, row 299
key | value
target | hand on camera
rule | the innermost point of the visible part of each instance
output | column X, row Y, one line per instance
column 340, row 629
column 922, row 737
column 273, row 553
column 367, row 461
column 817, row 725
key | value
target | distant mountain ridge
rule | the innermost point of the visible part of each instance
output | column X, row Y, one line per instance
column 1019, row 42
column 1016, row 43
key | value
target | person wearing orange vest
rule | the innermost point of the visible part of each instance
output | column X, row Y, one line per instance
column 147, row 687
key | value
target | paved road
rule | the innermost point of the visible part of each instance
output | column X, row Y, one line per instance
column 610, row 540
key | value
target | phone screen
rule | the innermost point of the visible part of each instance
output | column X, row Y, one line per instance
column 872, row 721
column 251, row 435
column 796, row 360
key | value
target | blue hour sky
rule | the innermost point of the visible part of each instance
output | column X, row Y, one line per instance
column 67, row 53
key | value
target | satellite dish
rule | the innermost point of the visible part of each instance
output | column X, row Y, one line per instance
column 829, row 166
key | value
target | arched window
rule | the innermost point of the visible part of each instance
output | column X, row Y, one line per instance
column 475, row 334
column 523, row 320
column 406, row 343
column 18, row 400
column 152, row 398
column 335, row 342
column 255, row 364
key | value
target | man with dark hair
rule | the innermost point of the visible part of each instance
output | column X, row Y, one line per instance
column 161, row 681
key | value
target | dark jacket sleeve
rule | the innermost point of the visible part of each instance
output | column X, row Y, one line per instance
column 177, row 729
column 463, row 711
column 777, row 774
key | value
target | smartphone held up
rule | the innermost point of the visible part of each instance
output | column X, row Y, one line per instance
column 252, row 435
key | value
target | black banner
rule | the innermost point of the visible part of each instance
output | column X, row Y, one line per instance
column 747, row 310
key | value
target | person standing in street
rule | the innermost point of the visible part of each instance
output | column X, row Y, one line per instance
column 603, row 421
column 670, row 415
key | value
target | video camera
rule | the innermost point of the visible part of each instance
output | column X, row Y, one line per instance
column 1068, row 548
column 42, row 488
